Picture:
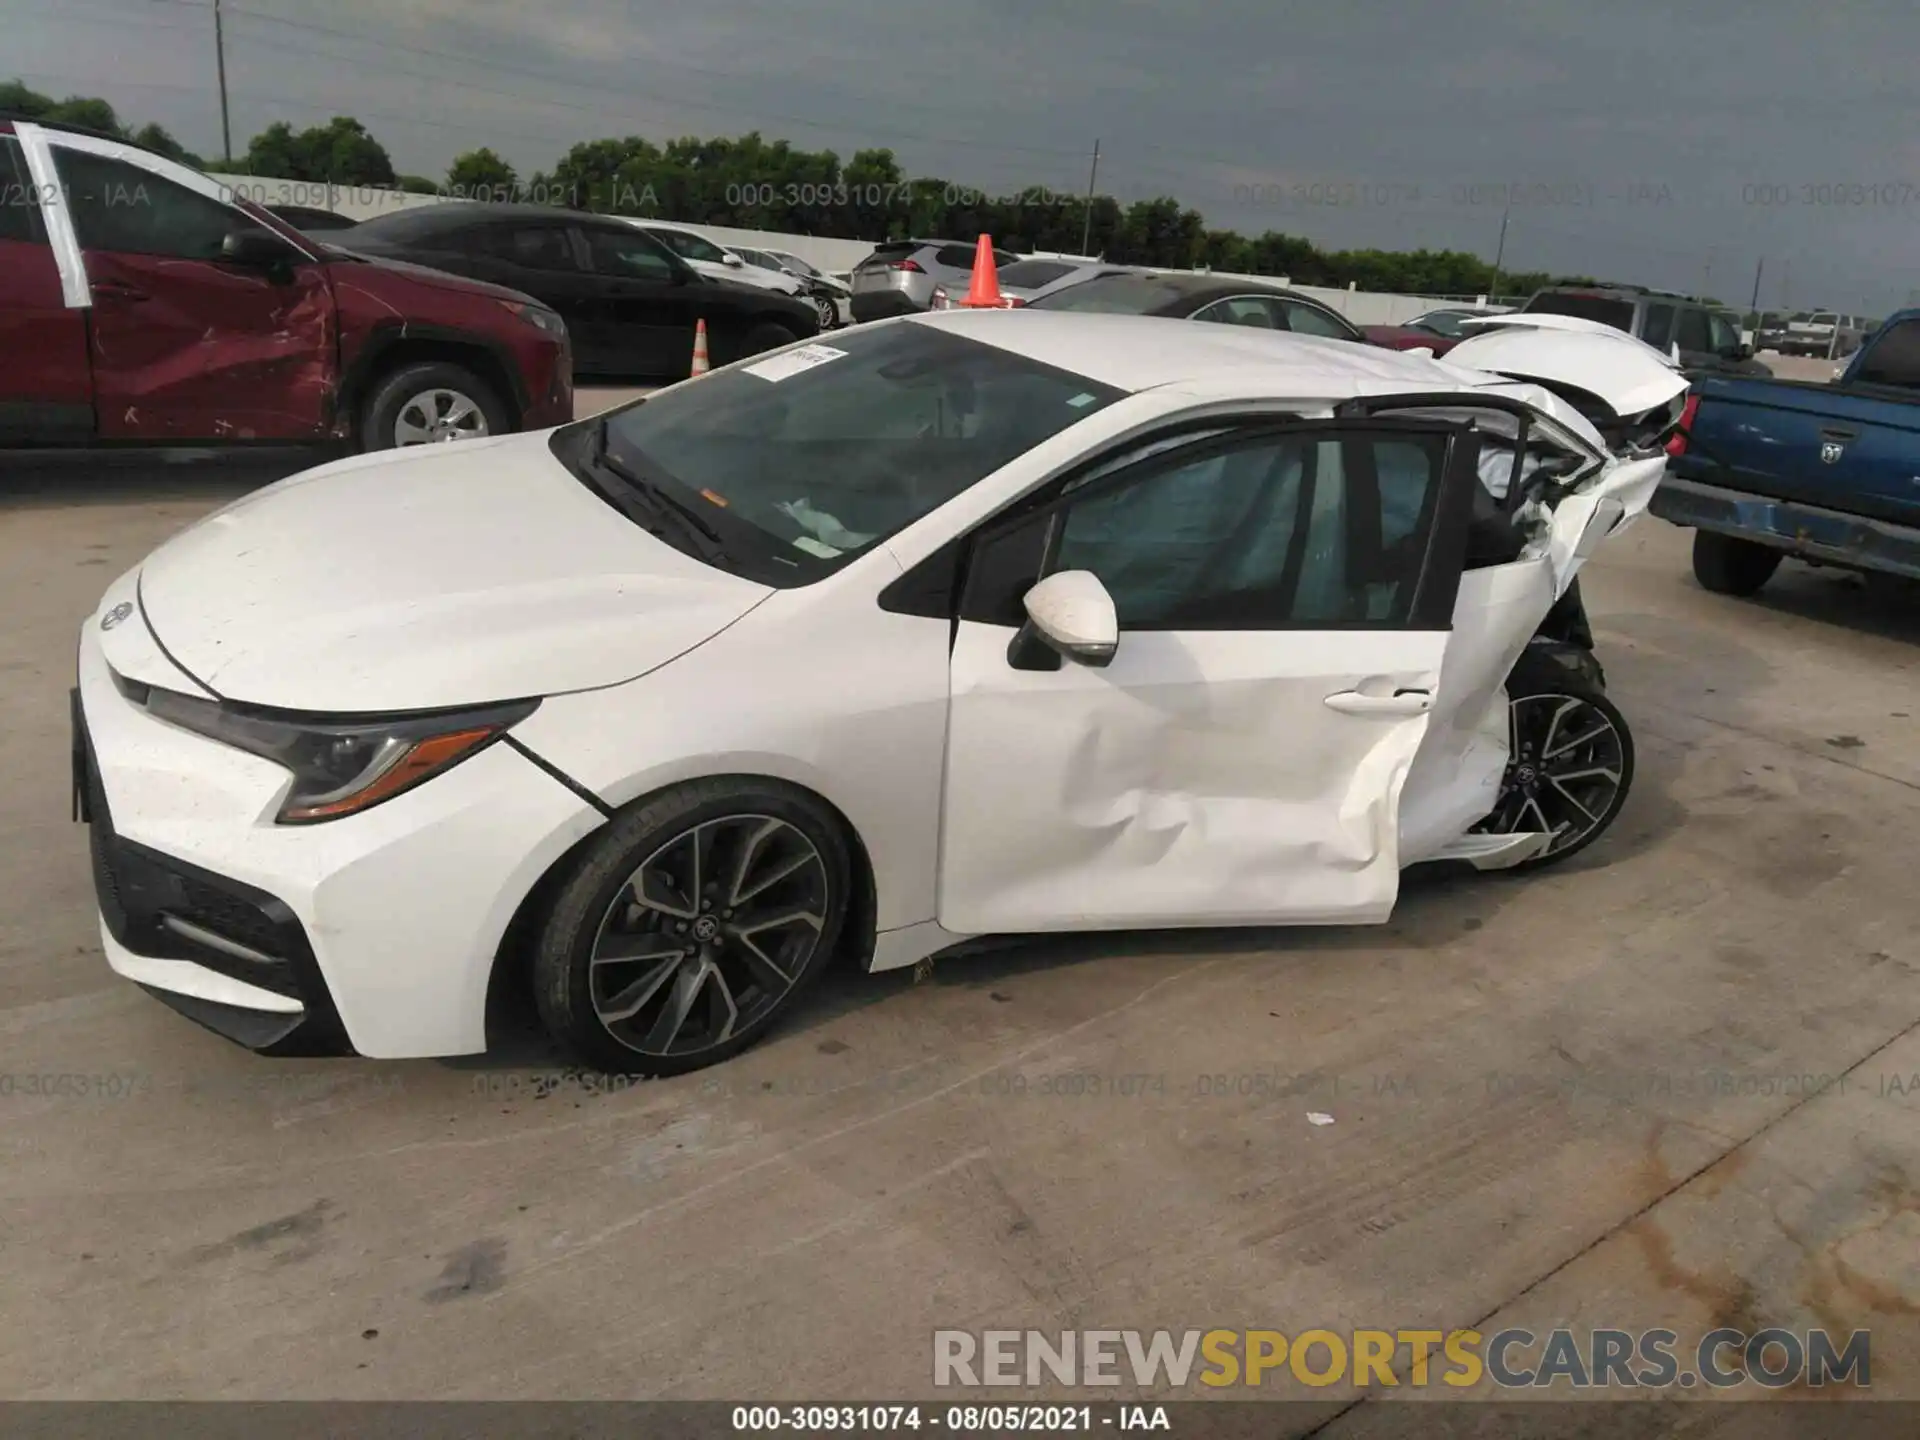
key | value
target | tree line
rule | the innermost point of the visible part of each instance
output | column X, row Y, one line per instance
column 754, row 183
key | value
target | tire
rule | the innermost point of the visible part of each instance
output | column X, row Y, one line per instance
column 1567, row 786
column 1729, row 566
column 452, row 391
column 614, row 964
column 828, row 312
column 768, row 335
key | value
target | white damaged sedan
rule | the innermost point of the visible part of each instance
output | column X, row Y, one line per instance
column 963, row 624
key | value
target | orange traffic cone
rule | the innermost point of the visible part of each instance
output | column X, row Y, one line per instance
column 984, row 292
column 700, row 363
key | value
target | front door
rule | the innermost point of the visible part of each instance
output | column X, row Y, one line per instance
column 647, row 306
column 1284, row 594
column 186, row 345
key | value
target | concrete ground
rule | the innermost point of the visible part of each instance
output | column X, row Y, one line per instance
column 1571, row 1099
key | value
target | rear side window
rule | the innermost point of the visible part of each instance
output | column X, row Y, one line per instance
column 19, row 198
column 955, row 257
column 693, row 247
column 1894, row 358
column 1603, row 308
column 126, row 210
column 1657, row 331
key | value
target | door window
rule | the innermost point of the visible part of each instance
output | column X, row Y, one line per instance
column 1692, row 332
column 1724, row 334
column 693, row 247
column 1250, row 310
column 1657, row 330
column 628, row 252
column 19, row 197
column 1312, row 320
column 1305, row 530
column 130, row 211
column 532, row 247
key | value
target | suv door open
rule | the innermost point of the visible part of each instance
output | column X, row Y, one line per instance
column 205, row 323
column 1284, row 593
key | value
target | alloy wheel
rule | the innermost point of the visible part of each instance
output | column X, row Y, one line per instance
column 438, row 415
column 708, row 935
column 1565, row 769
column 828, row 314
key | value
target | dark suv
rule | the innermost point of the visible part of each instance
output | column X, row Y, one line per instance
column 142, row 302
column 1708, row 335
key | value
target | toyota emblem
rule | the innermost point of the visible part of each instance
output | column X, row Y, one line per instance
column 114, row 616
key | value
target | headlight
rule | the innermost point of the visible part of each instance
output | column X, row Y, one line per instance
column 540, row 317
column 339, row 767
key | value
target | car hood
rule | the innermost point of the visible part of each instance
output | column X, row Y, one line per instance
column 1631, row 377
column 439, row 576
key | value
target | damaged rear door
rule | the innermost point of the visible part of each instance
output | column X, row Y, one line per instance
column 1284, row 593
column 187, row 344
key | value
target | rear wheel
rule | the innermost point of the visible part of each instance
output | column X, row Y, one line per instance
column 691, row 925
column 431, row 403
column 1730, row 566
column 1569, row 766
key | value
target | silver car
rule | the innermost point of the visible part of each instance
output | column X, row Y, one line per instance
column 904, row 277
column 829, row 296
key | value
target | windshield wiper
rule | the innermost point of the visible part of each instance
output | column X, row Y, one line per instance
column 651, row 499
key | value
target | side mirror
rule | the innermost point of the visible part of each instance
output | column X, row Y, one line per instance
column 255, row 248
column 734, row 260
column 1072, row 614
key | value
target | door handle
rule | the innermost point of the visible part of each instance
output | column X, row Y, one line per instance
column 1403, row 702
column 1836, row 433
column 114, row 290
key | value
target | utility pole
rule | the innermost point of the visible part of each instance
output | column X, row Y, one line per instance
column 1754, row 304
column 1499, row 254
column 1706, row 280
column 1086, row 225
column 220, row 64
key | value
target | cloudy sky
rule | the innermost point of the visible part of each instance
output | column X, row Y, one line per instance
column 1639, row 140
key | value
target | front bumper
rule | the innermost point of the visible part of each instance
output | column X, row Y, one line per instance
column 374, row 934
column 1809, row 531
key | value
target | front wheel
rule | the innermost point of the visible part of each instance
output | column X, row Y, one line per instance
column 692, row 924
column 1569, row 766
column 431, row 403
column 829, row 315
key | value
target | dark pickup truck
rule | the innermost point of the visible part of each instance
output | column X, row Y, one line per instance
column 1824, row 472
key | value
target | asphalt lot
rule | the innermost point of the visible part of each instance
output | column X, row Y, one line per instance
column 1572, row 1099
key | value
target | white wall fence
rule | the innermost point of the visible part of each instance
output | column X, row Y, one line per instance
column 364, row 202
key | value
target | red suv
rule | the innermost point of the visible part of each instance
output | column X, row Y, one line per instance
column 141, row 302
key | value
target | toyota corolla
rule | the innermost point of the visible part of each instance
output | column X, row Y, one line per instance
column 962, row 624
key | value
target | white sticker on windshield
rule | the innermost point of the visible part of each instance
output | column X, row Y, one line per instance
column 814, row 547
column 782, row 367
column 1081, row 399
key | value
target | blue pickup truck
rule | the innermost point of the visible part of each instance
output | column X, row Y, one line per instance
column 1825, row 472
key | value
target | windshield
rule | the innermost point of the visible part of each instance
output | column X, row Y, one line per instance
column 1115, row 295
column 1441, row 322
column 1617, row 313
column 807, row 458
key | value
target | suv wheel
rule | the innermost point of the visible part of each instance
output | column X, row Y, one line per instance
column 431, row 403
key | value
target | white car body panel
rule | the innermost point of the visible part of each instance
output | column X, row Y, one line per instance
column 1201, row 778
column 1630, row 375
column 446, row 575
column 408, row 978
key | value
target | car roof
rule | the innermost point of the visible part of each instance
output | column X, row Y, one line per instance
column 1145, row 352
